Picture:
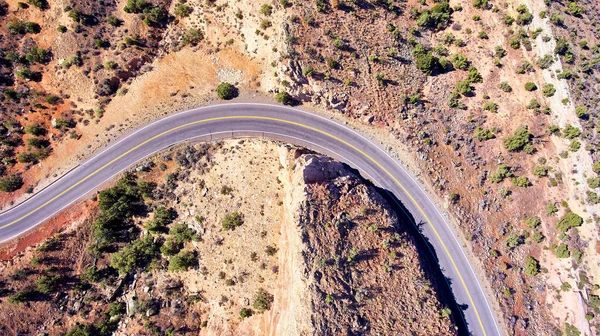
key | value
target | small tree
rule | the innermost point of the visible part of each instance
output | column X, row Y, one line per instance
column 284, row 98
column 568, row 221
column 182, row 261
column 532, row 266
column 530, row 86
column 262, row 301
column 11, row 183
column 226, row 91
column 232, row 220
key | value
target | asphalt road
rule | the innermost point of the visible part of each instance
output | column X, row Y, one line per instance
column 274, row 122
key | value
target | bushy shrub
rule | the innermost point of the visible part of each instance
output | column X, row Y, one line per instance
column 530, row 86
column 521, row 181
column 568, row 221
column 11, row 183
column 226, row 91
column 540, row 171
column 139, row 253
column 136, row 6
column 503, row 171
column 436, row 18
column 262, row 301
column 459, row 61
column 47, row 283
column 532, row 266
column 518, row 140
column 491, row 106
column 182, row 261
column 549, row 90
column 424, row 60
column 162, row 218
column 504, row 86
column 571, row 132
column 181, row 233
column 285, row 98
column 483, row 134
column 35, row 129
column 464, row 87
column 562, row 251
column 183, row 9
column 232, row 220
column 266, row 9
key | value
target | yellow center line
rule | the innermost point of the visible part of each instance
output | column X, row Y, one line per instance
column 285, row 122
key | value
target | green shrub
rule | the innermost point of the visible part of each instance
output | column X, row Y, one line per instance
column 568, row 221
column 524, row 18
column 533, row 104
column 47, row 283
column 571, row 132
column 424, row 60
column 183, row 10
column 11, row 183
column 521, row 181
column 464, row 87
column 35, row 129
column 226, row 91
column 530, row 86
column 514, row 42
column 474, row 75
column 574, row 146
column 518, row 141
column 581, row 112
column 266, row 9
column 532, row 266
column 513, row 240
column 549, row 90
column 504, row 86
column 181, row 233
column 593, row 182
column 537, row 237
column 37, row 55
column 285, row 98
column 245, row 312
column 491, row 106
column 540, row 171
column 162, row 218
column 136, row 6
column 503, row 171
column 546, row 61
column 232, row 220
column 262, row 301
column 22, row 296
column 481, row 4
column 139, row 253
column 192, row 37
column 562, row 251
column 182, row 261
column 551, row 209
column 596, row 167
column 41, row 4
column 508, row 20
column 459, row 61
column 436, row 18
column 170, row 247
column 483, row 134
column 156, row 17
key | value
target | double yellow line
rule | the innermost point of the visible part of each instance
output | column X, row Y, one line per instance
column 285, row 122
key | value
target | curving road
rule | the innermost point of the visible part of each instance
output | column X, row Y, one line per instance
column 274, row 122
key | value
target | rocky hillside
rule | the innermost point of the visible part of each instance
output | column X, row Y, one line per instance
column 200, row 249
